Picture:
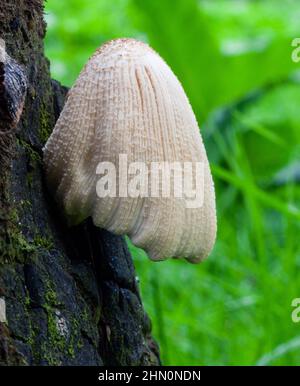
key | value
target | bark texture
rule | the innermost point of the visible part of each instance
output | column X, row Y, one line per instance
column 67, row 296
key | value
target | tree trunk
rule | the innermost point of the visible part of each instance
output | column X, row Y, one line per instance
column 67, row 296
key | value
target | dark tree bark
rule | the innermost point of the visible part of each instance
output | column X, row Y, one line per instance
column 67, row 296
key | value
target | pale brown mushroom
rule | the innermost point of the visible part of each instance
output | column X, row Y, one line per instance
column 127, row 101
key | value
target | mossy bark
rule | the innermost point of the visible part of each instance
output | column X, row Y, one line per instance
column 70, row 295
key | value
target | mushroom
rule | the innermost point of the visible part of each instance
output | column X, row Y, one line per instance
column 128, row 109
column 13, row 87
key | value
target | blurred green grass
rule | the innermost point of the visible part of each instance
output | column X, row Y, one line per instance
column 234, row 60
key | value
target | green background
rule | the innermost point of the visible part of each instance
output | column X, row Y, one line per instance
column 234, row 61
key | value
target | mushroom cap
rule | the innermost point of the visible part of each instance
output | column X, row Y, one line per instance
column 127, row 100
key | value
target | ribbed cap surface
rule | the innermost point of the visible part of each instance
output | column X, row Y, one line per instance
column 128, row 101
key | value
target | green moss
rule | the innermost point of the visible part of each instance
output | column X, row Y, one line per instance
column 58, row 342
column 49, row 356
column 18, row 248
column 80, row 344
column 44, row 242
column 32, row 154
column 27, row 305
column 29, row 179
column 13, row 216
column 25, row 204
column 84, row 315
column 27, row 300
column 33, row 158
column 45, row 123
column 50, row 295
column 56, row 338
column 15, row 247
